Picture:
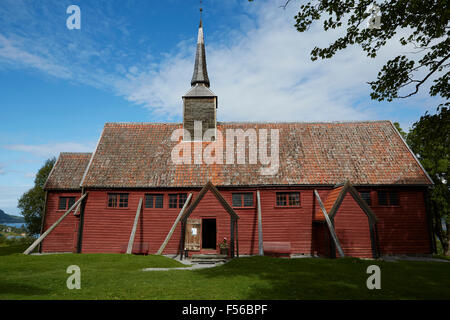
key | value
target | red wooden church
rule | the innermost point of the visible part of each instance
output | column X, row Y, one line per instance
column 347, row 188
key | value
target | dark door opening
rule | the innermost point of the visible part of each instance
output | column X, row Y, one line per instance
column 209, row 233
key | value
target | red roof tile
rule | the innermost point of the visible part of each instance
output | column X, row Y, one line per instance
column 328, row 204
column 366, row 153
column 68, row 171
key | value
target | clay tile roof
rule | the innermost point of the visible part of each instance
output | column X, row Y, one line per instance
column 68, row 171
column 327, row 203
column 366, row 153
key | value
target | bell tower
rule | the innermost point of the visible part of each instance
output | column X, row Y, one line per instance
column 199, row 103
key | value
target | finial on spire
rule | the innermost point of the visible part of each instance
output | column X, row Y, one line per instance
column 201, row 11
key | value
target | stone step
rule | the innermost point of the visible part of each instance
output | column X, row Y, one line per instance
column 209, row 256
column 209, row 261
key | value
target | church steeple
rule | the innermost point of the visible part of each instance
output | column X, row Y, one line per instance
column 199, row 103
column 200, row 75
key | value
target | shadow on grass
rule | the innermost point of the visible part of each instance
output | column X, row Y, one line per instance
column 7, row 250
column 11, row 288
column 292, row 279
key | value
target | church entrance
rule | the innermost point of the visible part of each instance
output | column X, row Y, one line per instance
column 209, row 234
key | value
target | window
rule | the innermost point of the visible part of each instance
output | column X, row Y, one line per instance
column 366, row 197
column 388, row 198
column 118, row 200
column 65, row 202
column 154, row 200
column 288, row 199
column 241, row 200
column 182, row 199
column 177, row 200
column 173, row 198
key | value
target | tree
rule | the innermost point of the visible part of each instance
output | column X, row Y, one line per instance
column 400, row 130
column 32, row 202
column 429, row 139
column 426, row 27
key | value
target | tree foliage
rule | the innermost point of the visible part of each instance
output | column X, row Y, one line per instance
column 425, row 24
column 32, row 202
column 429, row 139
column 400, row 130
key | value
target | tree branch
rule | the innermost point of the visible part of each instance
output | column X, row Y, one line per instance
column 285, row 4
column 419, row 83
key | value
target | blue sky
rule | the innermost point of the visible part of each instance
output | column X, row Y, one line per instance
column 133, row 60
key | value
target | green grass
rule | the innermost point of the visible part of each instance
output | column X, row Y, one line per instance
column 115, row 276
column 10, row 249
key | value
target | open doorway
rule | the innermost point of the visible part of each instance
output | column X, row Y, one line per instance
column 208, row 233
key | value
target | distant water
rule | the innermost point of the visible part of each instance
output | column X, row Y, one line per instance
column 15, row 225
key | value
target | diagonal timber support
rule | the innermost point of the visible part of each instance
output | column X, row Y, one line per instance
column 39, row 240
column 330, row 225
column 260, row 234
column 133, row 231
column 169, row 235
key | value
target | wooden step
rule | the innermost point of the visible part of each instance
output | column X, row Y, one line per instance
column 209, row 258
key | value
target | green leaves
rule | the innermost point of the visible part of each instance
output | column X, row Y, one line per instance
column 427, row 25
column 391, row 78
column 32, row 202
column 429, row 138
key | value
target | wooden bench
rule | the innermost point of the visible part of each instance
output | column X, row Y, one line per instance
column 277, row 249
column 138, row 248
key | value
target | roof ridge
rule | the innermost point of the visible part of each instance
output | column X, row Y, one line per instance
column 86, row 153
column 142, row 123
column 303, row 122
column 255, row 122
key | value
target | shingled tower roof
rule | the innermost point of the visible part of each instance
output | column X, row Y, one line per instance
column 200, row 75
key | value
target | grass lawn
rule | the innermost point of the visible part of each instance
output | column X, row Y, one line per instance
column 116, row 276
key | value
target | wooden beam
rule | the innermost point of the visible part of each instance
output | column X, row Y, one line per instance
column 35, row 243
column 232, row 237
column 77, row 209
column 260, row 234
column 81, row 225
column 237, row 239
column 133, row 231
column 330, row 226
column 169, row 235
column 43, row 219
column 181, row 249
column 339, row 199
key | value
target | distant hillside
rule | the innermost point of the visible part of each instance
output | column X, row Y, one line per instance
column 7, row 218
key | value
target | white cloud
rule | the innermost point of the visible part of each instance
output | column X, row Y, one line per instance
column 261, row 70
column 265, row 73
column 52, row 149
column 10, row 52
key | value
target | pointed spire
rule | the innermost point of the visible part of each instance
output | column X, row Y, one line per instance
column 200, row 75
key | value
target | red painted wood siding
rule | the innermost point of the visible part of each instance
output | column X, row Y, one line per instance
column 403, row 229
column 288, row 224
column 210, row 207
column 108, row 229
column 63, row 238
column 352, row 229
column 321, row 244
